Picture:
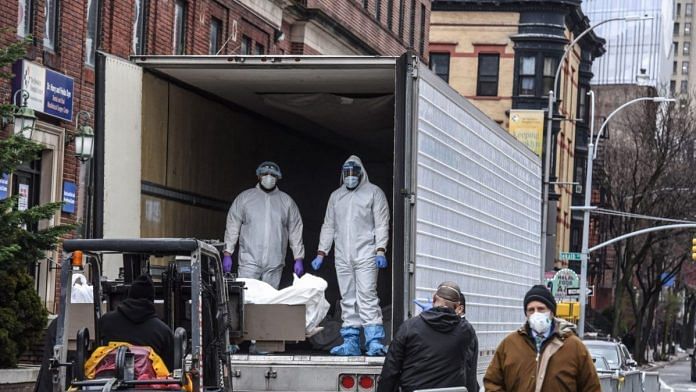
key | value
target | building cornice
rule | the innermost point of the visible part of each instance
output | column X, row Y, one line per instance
column 503, row 5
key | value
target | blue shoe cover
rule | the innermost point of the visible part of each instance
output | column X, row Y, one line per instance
column 373, row 340
column 351, row 343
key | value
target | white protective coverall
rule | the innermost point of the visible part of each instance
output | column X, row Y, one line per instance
column 263, row 222
column 357, row 222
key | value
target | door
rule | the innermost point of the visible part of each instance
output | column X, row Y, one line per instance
column 26, row 182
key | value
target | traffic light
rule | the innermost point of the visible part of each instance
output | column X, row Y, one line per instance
column 693, row 249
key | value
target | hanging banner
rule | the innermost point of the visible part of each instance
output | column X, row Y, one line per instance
column 50, row 92
column 527, row 126
column 69, row 196
column 4, row 186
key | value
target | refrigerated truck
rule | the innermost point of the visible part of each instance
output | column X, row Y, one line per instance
column 180, row 136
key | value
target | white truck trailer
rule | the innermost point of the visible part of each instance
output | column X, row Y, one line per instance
column 180, row 137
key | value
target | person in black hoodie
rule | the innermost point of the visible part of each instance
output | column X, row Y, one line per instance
column 428, row 351
column 134, row 321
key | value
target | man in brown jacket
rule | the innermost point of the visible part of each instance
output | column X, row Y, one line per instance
column 544, row 355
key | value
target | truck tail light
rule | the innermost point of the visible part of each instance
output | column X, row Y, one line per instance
column 347, row 382
column 367, row 383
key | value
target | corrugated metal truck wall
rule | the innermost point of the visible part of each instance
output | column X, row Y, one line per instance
column 477, row 212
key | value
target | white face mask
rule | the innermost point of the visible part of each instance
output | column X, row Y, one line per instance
column 268, row 182
column 351, row 181
column 540, row 322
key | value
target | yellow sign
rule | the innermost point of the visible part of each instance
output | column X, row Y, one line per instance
column 527, row 126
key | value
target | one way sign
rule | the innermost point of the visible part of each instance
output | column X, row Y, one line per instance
column 575, row 291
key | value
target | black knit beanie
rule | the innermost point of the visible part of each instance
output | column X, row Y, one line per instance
column 142, row 287
column 542, row 294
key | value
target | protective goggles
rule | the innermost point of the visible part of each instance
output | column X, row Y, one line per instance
column 352, row 170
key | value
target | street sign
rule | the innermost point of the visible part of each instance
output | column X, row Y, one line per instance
column 570, row 256
column 575, row 291
column 561, row 282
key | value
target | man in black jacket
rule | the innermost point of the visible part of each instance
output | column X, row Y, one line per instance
column 134, row 321
column 428, row 351
column 472, row 352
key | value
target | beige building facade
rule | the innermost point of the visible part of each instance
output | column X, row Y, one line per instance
column 504, row 58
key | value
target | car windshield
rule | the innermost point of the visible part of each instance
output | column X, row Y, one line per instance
column 609, row 352
column 600, row 363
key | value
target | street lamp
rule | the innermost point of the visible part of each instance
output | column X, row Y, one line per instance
column 591, row 155
column 84, row 138
column 23, row 117
column 549, row 133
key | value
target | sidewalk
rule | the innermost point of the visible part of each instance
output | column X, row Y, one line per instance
column 651, row 366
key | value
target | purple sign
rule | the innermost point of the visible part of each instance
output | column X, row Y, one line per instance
column 69, row 196
column 50, row 92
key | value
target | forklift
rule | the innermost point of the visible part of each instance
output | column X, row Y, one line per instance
column 202, row 305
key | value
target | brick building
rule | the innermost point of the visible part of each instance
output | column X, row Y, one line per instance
column 503, row 56
column 66, row 35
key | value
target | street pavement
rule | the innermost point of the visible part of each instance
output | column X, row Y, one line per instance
column 675, row 377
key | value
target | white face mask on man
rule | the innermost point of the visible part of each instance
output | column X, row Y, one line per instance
column 268, row 182
column 540, row 322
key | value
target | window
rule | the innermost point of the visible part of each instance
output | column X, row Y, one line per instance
column 689, row 9
column 51, row 25
column 580, row 165
column 378, row 10
column 684, row 87
column 366, row 3
column 686, row 48
column 91, row 37
column 179, row 27
column 440, row 63
column 676, row 29
column 390, row 14
column 550, row 65
column 412, row 25
column 582, row 104
column 672, row 87
column 678, row 9
column 245, row 47
column 487, row 80
column 215, row 32
column 259, row 49
column 685, row 67
column 401, row 19
column 675, row 48
column 422, row 29
column 674, row 67
column 139, row 25
column 24, row 20
column 687, row 28
column 527, row 75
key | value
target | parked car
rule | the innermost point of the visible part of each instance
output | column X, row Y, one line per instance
column 629, row 358
column 613, row 352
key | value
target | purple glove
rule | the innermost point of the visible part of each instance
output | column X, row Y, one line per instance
column 299, row 267
column 227, row 264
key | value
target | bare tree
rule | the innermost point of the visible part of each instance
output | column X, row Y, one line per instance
column 647, row 172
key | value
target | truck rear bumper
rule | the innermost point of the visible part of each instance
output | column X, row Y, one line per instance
column 296, row 373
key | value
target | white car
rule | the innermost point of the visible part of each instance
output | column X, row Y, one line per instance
column 615, row 354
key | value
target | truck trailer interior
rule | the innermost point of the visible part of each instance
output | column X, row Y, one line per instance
column 206, row 127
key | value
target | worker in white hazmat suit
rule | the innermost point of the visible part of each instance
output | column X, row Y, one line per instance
column 357, row 223
column 263, row 219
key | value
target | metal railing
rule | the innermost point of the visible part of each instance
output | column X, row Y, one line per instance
column 634, row 381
